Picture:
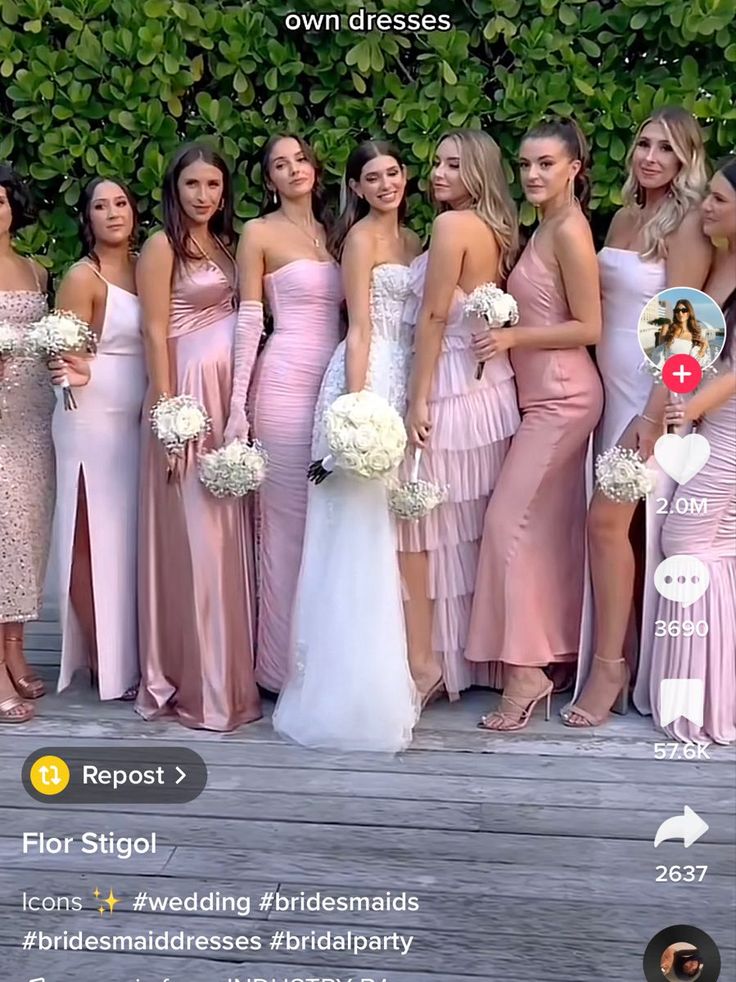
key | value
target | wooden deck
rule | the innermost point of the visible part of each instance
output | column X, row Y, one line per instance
column 531, row 854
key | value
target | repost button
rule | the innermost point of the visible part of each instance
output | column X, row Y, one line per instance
column 125, row 775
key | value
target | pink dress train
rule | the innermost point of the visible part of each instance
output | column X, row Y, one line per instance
column 196, row 575
column 627, row 283
column 712, row 538
column 529, row 589
column 97, row 446
column 304, row 297
column 472, row 423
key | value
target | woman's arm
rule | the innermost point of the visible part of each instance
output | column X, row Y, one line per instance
column 82, row 293
column 153, row 275
column 711, row 397
column 575, row 254
column 689, row 254
column 251, row 259
column 357, row 266
column 444, row 268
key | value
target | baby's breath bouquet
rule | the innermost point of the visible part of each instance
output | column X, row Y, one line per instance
column 497, row 308
column 233, row 470
column 59, row 333
column 177, row 420
column 415, row 499
column 622, row 475
column 365, row 435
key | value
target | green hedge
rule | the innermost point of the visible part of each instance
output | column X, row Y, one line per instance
column 112, row 86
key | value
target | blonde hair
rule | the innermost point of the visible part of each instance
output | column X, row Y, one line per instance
column 687, row 188
column 482, row 173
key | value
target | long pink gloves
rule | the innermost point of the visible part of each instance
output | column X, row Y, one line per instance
column 247, row 335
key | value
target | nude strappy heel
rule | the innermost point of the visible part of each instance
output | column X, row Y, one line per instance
column 620, row 705
column 30, row 685
column 13, row 709
column 525, row 713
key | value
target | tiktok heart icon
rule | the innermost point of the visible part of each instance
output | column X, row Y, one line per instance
column 682, row 457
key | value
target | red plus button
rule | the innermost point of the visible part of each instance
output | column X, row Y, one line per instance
column 682, row 373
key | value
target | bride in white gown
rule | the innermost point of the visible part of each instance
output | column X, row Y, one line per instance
column 349, row 685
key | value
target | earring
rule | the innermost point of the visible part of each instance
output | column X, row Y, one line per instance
column 275, row 197
column 571, row 191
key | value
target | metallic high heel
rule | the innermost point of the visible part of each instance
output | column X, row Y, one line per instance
column 30, row 685
column 620, row 705
column 525, row 713
column 13, row 709
column 434, row 693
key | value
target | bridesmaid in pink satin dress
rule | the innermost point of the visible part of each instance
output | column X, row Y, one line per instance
column 529, row 588
column 97, row 452
column 196, row 574
column 283, row 257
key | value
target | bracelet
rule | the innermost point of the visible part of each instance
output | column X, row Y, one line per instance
column 654, row 422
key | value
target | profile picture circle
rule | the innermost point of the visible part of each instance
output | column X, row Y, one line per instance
column 682, row 321
column 682, row 953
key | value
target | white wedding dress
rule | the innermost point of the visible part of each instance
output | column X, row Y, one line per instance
column 349, row 685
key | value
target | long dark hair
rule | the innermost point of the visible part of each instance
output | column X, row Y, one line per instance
column 568, row 132
column 669, row 333
column 353, row 207
column 86, row 234
column 175, row 226
column 320, row 207
column 19, row 198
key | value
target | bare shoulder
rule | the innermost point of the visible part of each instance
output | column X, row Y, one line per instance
column 81, row 276
column 42, row 273
column 360, row 240
column 256, row 229
column 156, row 248
column 455, row 223
column 412, row 242
column 573, row 230
column 690, row 227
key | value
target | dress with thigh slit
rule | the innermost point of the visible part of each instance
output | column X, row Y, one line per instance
column 529, row 587
column 97, row 453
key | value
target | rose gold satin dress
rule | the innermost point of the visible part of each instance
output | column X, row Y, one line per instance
column 195, row 563
column 529, row 588
column 304, row 297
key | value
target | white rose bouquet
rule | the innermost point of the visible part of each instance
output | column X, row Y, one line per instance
column 59, row 333
column 177, row 420
column 234, row 470
column 499, row 309
column 365, row 434
column 622, row 475
column 415, row 499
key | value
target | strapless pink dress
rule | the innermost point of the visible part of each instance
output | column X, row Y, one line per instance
column 304, row 297
column 529, row 590
column 472, row 424
column 196, row 566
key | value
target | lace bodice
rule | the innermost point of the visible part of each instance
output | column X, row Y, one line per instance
column 390, row 353
column 389, row 291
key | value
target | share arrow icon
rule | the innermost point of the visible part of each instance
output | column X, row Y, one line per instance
column 689, row 827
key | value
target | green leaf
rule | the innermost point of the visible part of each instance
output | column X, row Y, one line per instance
column 639, row 19
column 568, row 15
column 585, row 87
column 448, row 74
column 617, row 148
column 156, row 8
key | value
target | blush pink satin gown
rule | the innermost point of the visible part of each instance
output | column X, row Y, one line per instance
column 304, row 297
column 472, row 423
column 529, row 589
column 196, row 575
column 97, row 447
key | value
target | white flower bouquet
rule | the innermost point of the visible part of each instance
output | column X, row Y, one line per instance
column 365, row 434
column 58, row 333
column 497, row 308
column 234, row 470
column 415, row 499
column 177, row 420
column 622, row 475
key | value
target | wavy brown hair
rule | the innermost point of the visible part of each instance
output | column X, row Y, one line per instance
column 175, row 225
column 670, row 331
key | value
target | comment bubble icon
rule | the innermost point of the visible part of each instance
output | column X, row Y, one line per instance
column 682, row 579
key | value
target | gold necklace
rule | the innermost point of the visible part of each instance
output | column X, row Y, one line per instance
column 315, row 239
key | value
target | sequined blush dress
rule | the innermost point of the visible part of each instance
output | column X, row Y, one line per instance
column 27, row 484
